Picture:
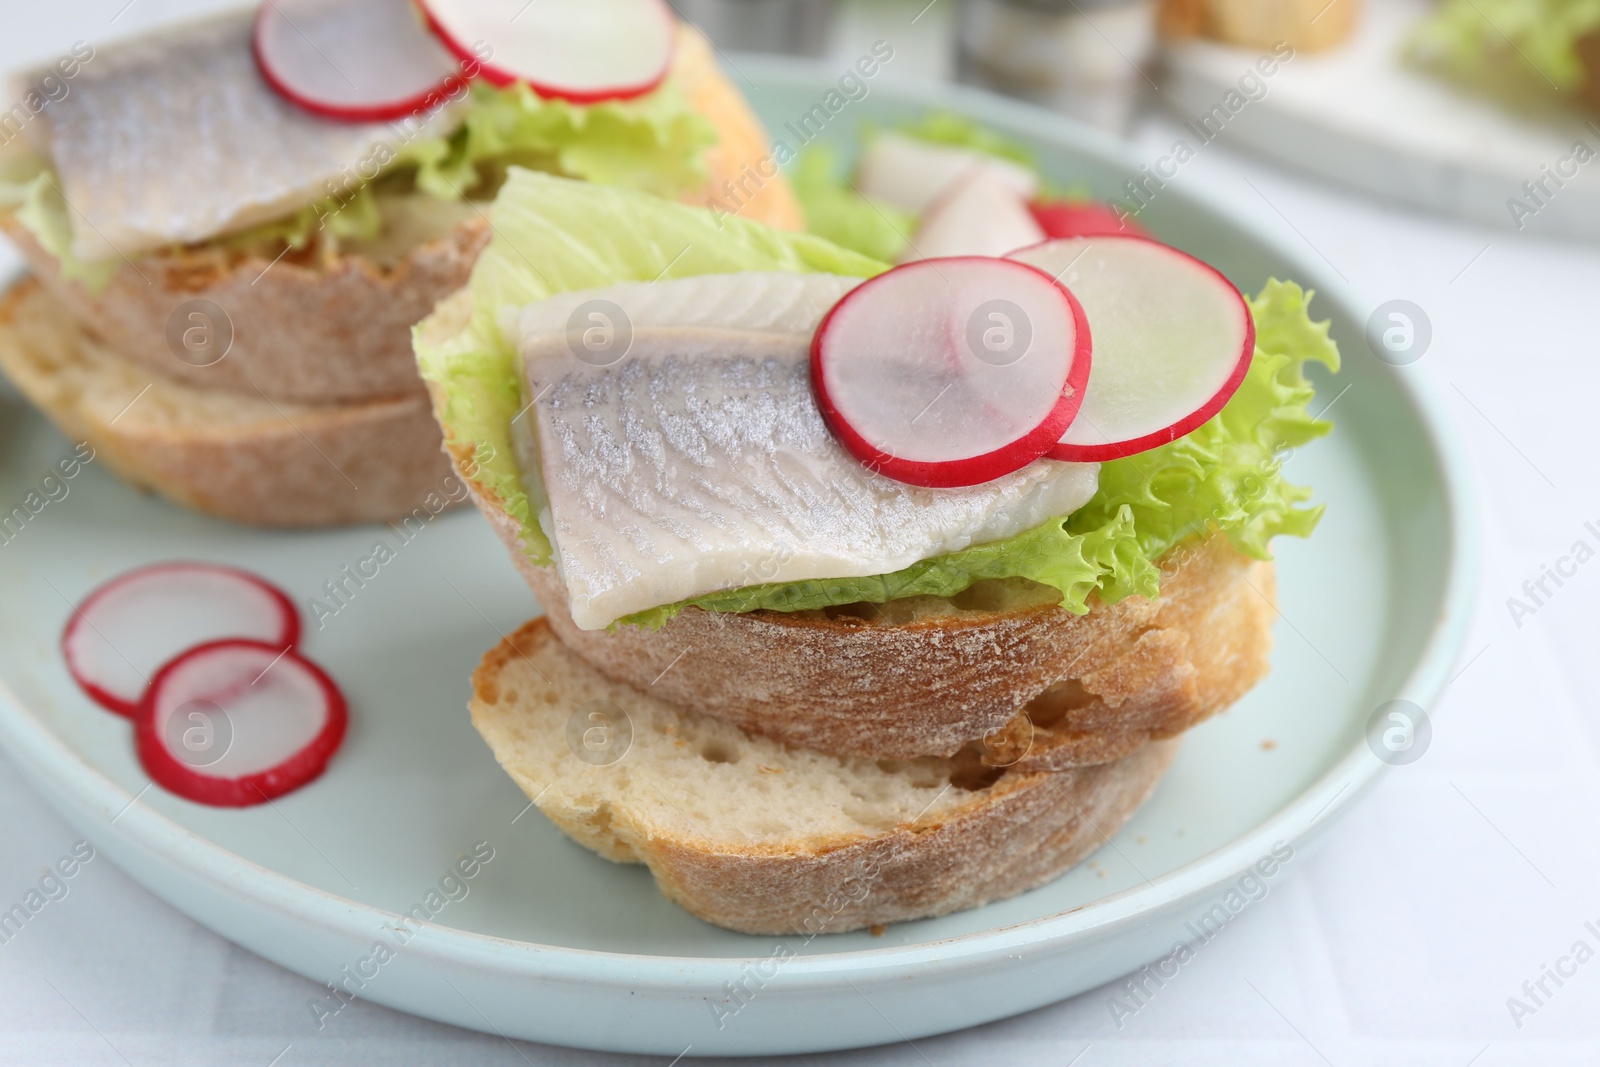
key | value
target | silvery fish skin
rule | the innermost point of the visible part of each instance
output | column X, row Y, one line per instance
column 176, row 139
column 692, row 458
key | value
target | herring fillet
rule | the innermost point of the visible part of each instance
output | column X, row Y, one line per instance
column 176, row 139
column 699, row 462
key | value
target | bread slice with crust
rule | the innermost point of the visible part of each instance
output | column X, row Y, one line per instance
column 235, row 456
column 993, row 668
column 999, row 668
column 323, row 328
column 764, row 838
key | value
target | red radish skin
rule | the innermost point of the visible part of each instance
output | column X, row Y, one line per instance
column 450, row 81
column 967, row 471
column 1089, row 218
column 82, row 625
column 435, row 12
column 1100, row 453
column 303, row 767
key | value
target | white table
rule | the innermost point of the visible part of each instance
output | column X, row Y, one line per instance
column 1399, row 939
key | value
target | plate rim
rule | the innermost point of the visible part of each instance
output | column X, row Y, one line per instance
column 39, row 751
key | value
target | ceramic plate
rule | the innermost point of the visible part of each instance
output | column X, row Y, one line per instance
column 550, row 943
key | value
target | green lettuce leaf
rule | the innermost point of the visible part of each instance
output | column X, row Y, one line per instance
column 555, row 235
column 836, row 212
column 1509, row 44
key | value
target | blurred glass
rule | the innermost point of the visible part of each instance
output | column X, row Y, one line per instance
column 1083, row 57
column 794, row 27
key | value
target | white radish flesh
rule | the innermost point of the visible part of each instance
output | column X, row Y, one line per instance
column 579, row 50
column 951, row 372
column 980, row 215
column 128, row 628
column 355, row 60
column 1172, row 341
column 910, row 173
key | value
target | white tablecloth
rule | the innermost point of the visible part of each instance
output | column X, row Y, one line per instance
column 1454, row 882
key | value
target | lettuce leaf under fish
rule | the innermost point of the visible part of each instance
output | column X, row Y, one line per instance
column 555, row 236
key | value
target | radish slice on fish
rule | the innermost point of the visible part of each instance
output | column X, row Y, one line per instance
column 951, row 372
column 1172, row 341
column 354, row 60
column 238, row 723
column 579, row 50
column 126, row 629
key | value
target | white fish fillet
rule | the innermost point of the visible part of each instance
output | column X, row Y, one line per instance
column 699, row 462
column 176, row 139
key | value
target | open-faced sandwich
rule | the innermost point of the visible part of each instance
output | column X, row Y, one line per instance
column 234, row 223
column 870, row 593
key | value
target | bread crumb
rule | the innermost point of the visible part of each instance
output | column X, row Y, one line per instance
column 876, row 929
column 1139, row 840
column 1268, row 745
column 769, row 770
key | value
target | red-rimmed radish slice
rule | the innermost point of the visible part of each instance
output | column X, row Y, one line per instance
column 354, row 60
column 238, row 723
column 979, row 215
column 126, row 629
column 578, row 50
column 910, row 173
column 1172, row 341
column 951, row 372
column 1088, row 218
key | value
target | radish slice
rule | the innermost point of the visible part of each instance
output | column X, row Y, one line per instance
column 1172, row 341
column 910, row 173
column 579, row 50
column 355, row 60
column 951, row 372
column 1090, row 218
column 980, row 215
column 238, row 723
column 129, row 627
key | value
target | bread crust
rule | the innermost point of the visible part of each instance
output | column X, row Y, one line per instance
column 257, row 462
column 330, row 329
column 1016, row 833
column 1040, row 688
column 333, row 330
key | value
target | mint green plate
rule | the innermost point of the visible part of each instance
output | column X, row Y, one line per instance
column 552, row 944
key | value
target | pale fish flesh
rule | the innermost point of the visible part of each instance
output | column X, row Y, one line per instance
column 690, row 456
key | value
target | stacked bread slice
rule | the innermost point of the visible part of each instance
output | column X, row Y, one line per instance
column 283, row 391
column 826, row 771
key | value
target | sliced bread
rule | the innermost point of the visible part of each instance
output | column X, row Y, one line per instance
column 238, row 456
column 764, row 838
column 999, row 668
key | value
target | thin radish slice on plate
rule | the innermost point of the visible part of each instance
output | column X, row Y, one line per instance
column 119, row 637
column 980, row 215
column 579, row 50
column 1088, row 218
column 355, row 60
column 951, row 372
column 910, row 173
column 238, row 723
column 1172, row 341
